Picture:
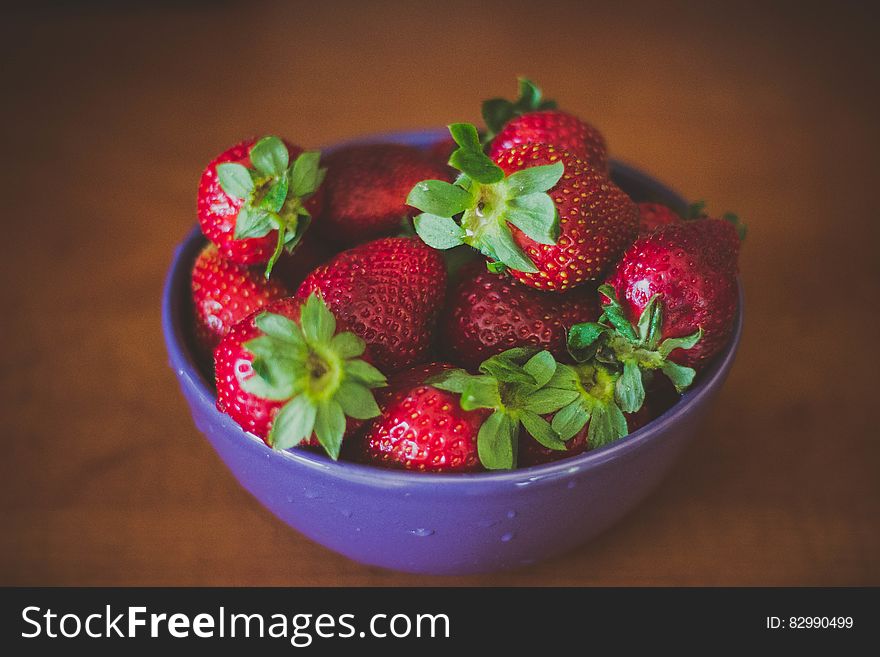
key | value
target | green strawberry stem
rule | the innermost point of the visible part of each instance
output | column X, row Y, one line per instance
column 634, row 352
column 515, row 385
column 316, row 371
column 697, row 210
column 497, row 112
column 595, row 385
column 487, row 201
column 274, row 192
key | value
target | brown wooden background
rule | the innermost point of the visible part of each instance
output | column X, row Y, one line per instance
column 109, row 115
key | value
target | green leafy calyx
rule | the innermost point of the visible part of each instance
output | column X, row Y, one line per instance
column 633, row 352
column 516, row 386
column 498, row 111
column 274, row 191
column 479, row 207
column 316, row 371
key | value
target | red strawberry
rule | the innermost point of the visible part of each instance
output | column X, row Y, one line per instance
column 654, row 215
column 366, row 190
column 423, row 428
column 257, row 197
column 531, row 120
column 389, row 292
column 285, row 374
column 692, row 266
column 224, row 292
column 441, row 151
column 549, row 217
column 488, row 313
column 565, row 131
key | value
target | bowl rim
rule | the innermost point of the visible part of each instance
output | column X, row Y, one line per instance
column 187, row 370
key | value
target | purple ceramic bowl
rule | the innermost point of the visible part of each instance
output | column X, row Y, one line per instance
column 442, row 524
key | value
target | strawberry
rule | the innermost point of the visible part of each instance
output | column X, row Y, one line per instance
column 591, row 421
column 488, row 313
column 366, row 189
column 389, row 292
column 285, row 374
column 254, row 202
column 224, row 292
column 421, row 427
column 654, row 215
column 532, row 121
column 545, row 214
column 669, row 305
column 516, row 386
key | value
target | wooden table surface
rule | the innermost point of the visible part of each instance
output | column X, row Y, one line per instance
column 110, row 114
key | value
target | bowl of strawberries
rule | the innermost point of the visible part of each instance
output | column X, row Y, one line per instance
column 450, row 351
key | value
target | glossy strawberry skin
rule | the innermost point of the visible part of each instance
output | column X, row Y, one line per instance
column 218, row 211
column 366, row 189
column 488, row 313
column 563, row 130
column 224, row 292
column 389, row 292
column 597, row 221
column 531, row 452
column 422, row 428
column 233, row 363
column 693, row 265
column 653, row 216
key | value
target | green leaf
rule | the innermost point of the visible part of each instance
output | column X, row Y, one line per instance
column 266, row 384
column 466, row 136
column 272, row 348
column 696, row 210
column 671, row 344
column 451, row 380
column 536, row 216
column 741, row 228
column 496, row 442
column 564, row 378
column 569, row 420
column 496, row 113
column 615, row 315
column 362, row 371
column 529, row 96
column 496, row 267
column 583, row 339
column 476, row 165
column 540, row 430
column 305, row 174
column 682, row 377
column 318, row 323
column 293, row 424
column 506, row 371
column 330, row 427
column 516, row 354
column 647, row 318
column 275, row 196
column 542, row 367
column 347, row 345
column 438, row 232
column 252, row 222
column 606, row 425
column 480, row 392
column 280, row 328
column 235, row 180
column 269, row 156
column 439, row 197
column 656, row 326
column 507, row 251
column 549, row 400
column 357, row 401
column 629, row 391
column 532, row 180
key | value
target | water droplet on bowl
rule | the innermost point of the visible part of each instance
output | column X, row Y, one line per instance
column 421, row 532
column 506, row 538
column 486, row 523
column 345, row 512
column 312, row 495
column 571, row 484
column 511, row 514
